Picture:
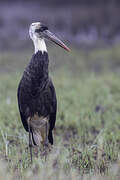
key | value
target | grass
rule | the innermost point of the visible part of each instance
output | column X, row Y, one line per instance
column 87, row 133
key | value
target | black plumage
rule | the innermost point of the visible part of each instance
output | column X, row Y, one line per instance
column 36, row 96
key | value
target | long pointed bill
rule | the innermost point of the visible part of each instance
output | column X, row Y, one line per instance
column 52, row 37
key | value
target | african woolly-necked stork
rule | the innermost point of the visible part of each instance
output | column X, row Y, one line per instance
column 36, row 94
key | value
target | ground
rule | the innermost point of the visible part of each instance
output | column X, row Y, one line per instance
column 87, row 133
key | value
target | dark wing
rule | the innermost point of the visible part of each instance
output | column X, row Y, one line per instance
column 44, row 102
column 22, row 114
column 52, row 119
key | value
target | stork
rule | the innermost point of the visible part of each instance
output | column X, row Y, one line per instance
column 36, row 94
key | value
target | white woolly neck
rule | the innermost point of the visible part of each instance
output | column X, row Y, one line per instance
column 39, row 45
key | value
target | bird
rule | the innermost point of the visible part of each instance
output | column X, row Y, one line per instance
column 37, row 102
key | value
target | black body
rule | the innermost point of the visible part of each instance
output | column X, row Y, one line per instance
column 36, row 93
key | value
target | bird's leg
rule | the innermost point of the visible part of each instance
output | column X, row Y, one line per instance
column 46, row 139
column 30, row 140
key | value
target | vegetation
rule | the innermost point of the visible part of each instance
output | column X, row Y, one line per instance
column 87, row 134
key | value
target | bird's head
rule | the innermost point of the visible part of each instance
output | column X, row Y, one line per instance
column 39, row 32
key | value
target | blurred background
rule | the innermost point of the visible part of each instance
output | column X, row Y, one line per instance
column 81, row 22
column 87, row 82
column 84, row 25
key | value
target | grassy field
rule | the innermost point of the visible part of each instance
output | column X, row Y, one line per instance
column 87, row 133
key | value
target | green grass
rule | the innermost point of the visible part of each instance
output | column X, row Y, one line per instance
column 87, row 133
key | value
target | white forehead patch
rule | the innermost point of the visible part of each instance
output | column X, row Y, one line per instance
column 36, row 23
column 32, row 28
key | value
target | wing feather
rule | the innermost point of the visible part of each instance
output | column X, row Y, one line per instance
column 22, row 115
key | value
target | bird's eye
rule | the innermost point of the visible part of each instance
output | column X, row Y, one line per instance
column 43, row 28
